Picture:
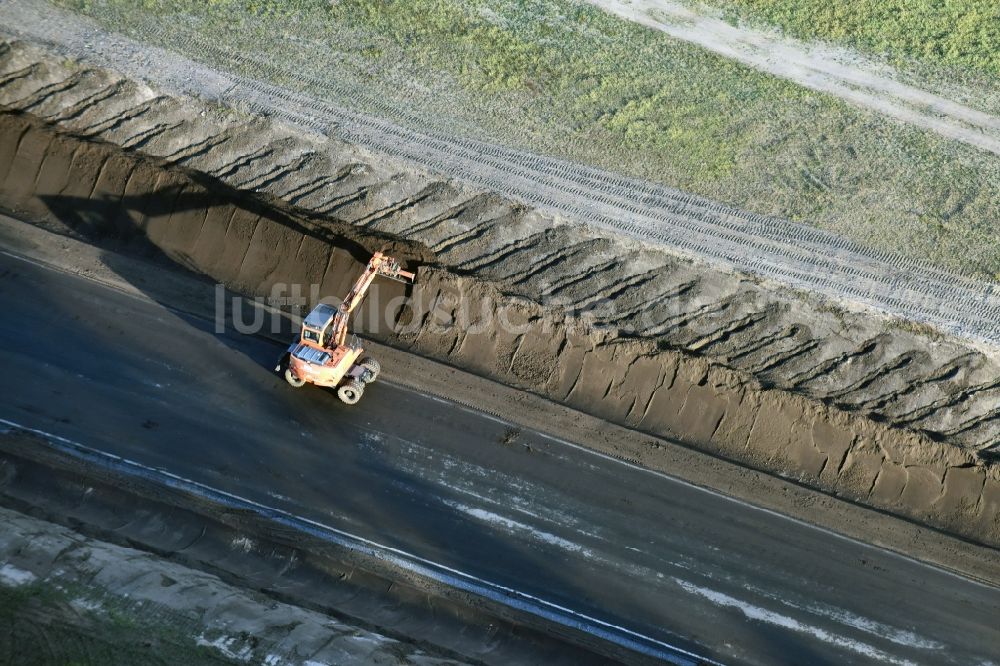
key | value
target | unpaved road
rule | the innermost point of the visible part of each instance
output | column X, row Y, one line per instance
column 514, row 508
column 790, row 254
column 823, row 68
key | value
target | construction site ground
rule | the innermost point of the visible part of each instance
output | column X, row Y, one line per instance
column 881, row 410
column 454, row 504
column 571, row 329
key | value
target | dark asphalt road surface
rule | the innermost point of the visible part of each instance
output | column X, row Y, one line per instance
column 633, row 548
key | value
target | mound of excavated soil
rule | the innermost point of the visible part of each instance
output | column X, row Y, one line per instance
column 846, row 402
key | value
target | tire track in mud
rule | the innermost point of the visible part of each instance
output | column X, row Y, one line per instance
column 638, row 290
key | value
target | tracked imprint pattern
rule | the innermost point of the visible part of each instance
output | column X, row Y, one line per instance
column 795, row 254
column 596, row 272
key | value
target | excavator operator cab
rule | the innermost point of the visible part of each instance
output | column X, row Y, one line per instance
column 315, row 328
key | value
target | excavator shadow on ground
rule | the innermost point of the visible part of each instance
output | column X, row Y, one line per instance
column 320, row 353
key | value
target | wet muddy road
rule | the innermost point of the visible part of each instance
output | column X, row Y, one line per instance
column 621, row 545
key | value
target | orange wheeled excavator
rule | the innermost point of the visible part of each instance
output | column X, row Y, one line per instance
column 321, row 354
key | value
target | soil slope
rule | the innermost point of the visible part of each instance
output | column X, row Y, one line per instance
column 877, row 411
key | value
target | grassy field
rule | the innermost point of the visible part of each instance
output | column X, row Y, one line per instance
column 958, row 33
column 42, row 624
column 563, row 78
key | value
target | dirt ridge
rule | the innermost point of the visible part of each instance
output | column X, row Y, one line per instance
column 788, row 253
column 103, row 581
column 250, row 242
column 862, row 364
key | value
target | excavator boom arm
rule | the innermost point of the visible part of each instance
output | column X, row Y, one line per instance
column 379, row 264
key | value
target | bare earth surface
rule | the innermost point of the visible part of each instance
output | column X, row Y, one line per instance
column 824, row 68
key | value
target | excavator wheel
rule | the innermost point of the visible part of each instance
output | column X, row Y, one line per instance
column 292, row 379
column 371, row 369
column 351, row 392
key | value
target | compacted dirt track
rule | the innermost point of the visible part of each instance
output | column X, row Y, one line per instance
column 820, row 67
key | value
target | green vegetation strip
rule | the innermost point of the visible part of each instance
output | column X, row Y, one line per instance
column 564, row 78
column 961, row 33
column 44, row 624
